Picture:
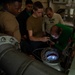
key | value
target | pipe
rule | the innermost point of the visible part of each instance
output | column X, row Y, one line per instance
column 72, row 68
column 14, row 62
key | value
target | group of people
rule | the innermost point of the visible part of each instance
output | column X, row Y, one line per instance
column 29, row 26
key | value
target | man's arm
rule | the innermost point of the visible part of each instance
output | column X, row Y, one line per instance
column 32, row 38
column 61, row 20
column 12, row 27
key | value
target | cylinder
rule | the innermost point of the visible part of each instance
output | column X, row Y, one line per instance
column 14, row 62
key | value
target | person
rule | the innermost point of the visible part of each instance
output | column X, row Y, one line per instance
column 8, row 22
column 55, row 31
column 54, row 35
column 23, row 16
column 61, row 12
column 34, row 27
column 51, row 19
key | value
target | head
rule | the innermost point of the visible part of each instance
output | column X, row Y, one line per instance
column 55, row 31
column 49, row 12
column 61, row 12
column 29, row 5
column 38, row 9
column 12, row 6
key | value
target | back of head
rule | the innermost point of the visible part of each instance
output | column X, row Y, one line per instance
column 60, row 11
column 28, row 2
column 37, row 5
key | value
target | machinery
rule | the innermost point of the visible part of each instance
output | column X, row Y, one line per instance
column 14, row 62
column 60, row 56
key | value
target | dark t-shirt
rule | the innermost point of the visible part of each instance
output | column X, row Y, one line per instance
column 35, row 24
column 22, row 18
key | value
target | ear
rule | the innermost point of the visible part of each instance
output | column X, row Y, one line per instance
column 8, row 6
column 33, row 10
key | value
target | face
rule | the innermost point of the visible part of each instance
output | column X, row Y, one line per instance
column 49, row 13
column 14, row 8
column 54, row 33
column 38, row 13
column 29, row 7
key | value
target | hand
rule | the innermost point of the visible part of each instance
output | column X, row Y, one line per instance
column 45, row 39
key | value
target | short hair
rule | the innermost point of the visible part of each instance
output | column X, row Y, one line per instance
column 28, row 2
column 48, row 8
column 58, row 30
column 60, row 11
column 9, row 1
column 37, row 5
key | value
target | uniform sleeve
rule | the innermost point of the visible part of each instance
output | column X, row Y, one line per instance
column 12, row 27
column 29, row 24
column 60, row 18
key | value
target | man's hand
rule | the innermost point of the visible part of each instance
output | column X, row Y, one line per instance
column 45, row 39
